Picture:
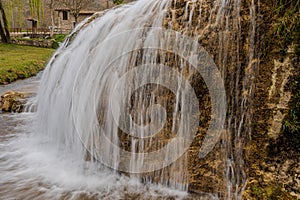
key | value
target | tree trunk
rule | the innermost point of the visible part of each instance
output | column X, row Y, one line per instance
column 76, row 19
column 52, row 18
column 4, row 32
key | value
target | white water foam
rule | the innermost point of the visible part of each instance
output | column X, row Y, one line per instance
column 31, row 168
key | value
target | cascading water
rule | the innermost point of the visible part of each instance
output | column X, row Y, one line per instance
column 112, row 80
column 128, row 93
column 220, row 27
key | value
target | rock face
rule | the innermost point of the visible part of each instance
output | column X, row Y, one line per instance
column 12, row 101
column 273, row 161
column 222, row 171
column 254, row 158
column 272, row 155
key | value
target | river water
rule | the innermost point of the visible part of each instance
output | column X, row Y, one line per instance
column 32, row 168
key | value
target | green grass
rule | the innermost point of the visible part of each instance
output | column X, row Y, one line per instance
column 19, row 62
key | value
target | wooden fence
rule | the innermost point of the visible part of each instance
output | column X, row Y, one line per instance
column 39, row 32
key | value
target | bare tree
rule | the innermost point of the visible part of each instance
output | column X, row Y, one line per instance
column 4, row 32
column 75, row 6
column 51, row 6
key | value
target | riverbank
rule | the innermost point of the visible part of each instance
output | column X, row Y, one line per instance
column 20, row 62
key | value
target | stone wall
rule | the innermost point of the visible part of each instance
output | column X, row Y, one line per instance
column 34, row 42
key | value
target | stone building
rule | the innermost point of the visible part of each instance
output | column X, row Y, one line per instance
column 19, row 15
column 65, row 21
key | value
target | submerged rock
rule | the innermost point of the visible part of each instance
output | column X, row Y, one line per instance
column 12, row 101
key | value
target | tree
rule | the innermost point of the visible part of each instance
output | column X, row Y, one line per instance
column 4, row 32
column 51, row 6
column 37, row 10
column 17, row 12
column 75, row 6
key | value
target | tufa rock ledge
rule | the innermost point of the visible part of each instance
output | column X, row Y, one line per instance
column 13, row 101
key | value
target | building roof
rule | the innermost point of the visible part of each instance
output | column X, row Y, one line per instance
column 82, row 12
column 32, row 19
column 87, row 12
column 62, row 9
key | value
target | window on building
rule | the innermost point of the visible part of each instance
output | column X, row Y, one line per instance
column 65, row 15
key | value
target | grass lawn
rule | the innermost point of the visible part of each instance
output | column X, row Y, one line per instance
column 19, row 62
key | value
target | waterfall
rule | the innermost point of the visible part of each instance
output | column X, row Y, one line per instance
column 139, row 89
column 219, row 26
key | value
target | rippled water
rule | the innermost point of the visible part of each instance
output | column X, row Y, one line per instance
column 32, row 168
column 26, row 85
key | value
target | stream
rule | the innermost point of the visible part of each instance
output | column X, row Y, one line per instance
column 31, row 168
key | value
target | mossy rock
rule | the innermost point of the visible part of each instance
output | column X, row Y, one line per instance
column 12, row 101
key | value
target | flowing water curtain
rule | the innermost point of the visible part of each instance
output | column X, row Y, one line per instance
column 222, row 27
column 220, row 34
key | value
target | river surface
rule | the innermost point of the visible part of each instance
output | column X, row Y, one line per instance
column 30, row 168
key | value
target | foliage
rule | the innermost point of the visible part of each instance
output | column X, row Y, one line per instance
column 287, row 26
column 19, row 62
column 58, row 39
column 36, row 10
column 256, row 190
column 17, row 12
column 269, row 192
column 288, row 22
column 291, row 126
column 117, row 2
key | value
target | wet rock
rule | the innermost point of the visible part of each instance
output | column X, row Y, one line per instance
column 12, row 101
column 272, row 168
